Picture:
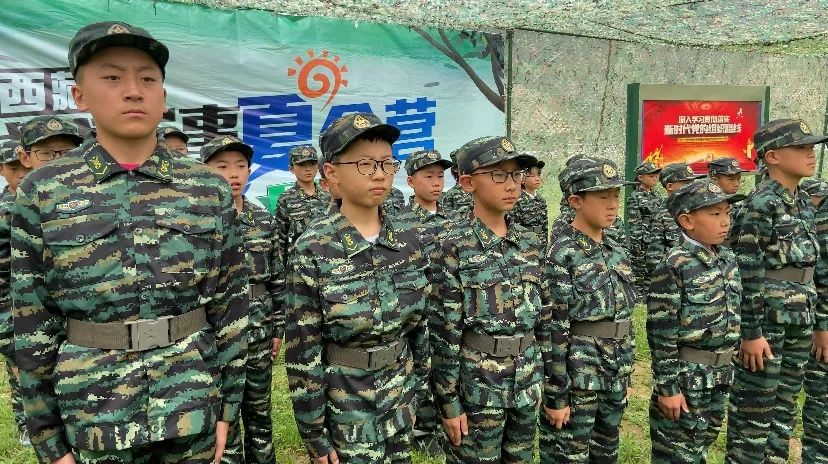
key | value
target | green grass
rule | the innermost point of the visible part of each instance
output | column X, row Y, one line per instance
column 635, row 441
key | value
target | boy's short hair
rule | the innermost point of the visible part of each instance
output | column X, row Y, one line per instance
column 95, row 37
column 40, row 128
column 225, row 143
column 352, row 127
column 696, row 195
column 486, row 151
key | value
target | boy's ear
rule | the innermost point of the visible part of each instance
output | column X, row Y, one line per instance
column 685, row 222
column 575, row 201
column 77, row 95
column 771, row 158
column 330, row 173
column 26, row 157
column 466, row 183
column 410, row 181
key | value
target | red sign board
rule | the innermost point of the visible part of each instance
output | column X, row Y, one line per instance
column 696, row 132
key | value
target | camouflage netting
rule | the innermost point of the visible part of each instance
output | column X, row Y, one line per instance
column 711, row 23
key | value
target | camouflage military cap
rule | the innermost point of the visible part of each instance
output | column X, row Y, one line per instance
column 815, row 187
column 303, row 153
column 225, row 143
column 781, row 133
column 40, row 128
column 92, row 38
column 677, row 172
column 486, row 151
column 724, row 166
column 538, row 164
column 423, row 158
column 9, row 151
column 696, row 195
column 647, row 167
column 348, row 128
column 594, row 174
column 165, row 131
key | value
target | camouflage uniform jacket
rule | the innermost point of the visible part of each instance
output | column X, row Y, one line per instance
column 587, row 281
column 531, row 212
column 430, row 224
column 266, row 317
column 295, row 210
column 96, row 243
column 694, row 302
column 456, row 201
column 344, row 290
column 663, row 236
column 395, row 201
column 774, row 229
column 821, row 274
column 6, row 326
column 616, row 232
column 488, row 285
column 642, row 206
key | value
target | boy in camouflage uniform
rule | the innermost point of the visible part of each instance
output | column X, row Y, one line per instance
column 395, row 202
column 175, row 139
column 299, row 206
column 531, row 211
column 230, row 158
column 815, row 409
column 13, row 172
column 693, row 327
column 775, row 243
column 642, row 206
column 591, row 295
column 664, row 232
column 426, row 175
column 486, row 358
column 128, row 284
column 456, row 201
column 357, row 355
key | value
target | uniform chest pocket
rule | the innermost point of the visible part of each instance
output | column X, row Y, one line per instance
column 259, row 257
column 785, row 231
column 187, row 243
column 411, row 288
column 348, row 304
column 482, row 290
column 84, row 249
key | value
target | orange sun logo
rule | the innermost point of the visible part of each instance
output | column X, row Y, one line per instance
column 329, row 77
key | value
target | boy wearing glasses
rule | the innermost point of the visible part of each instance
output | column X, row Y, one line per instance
column 530, row 210
column 46, row 138
column 299, row 206
column 486, row 355
column 357, row 290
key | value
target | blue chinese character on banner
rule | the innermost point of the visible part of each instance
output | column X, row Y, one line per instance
column 272, row 125
column 416, row 124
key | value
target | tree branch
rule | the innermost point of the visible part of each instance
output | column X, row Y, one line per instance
column 496, row 67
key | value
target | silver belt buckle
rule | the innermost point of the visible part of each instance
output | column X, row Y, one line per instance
column 507, row 345
column 146, row 334
column 379, row 357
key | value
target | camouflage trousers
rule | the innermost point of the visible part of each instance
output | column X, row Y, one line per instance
column 14, row 394
column 815, row 414
column 426, row 427
column 192, row 449
column 687, row 440
column 255, row 411
column 394, row 450
column 496, row 435
column 639, row 266
column 762, row 410
column 592, row 432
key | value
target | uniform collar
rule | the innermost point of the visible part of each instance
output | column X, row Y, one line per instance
column 704, row 254
column 316, row 190
column 354, row 243
column 587, row 243
column 783, row 193
column 246, row 215
column 159, row 165
column 424, row 214
column 488, row 239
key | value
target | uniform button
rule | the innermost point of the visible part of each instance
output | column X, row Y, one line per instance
column 139, row 230
column 132, row 173
column 80, row 237
column 143, row 297
column 187, row 228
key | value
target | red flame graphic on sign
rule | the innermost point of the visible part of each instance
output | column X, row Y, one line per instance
column 329, row 77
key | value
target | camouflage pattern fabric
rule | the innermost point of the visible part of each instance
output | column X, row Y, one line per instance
column 394, row 450
column 587, row 281
column 192, row 449
column 6, row 325
column 94, row 37
column 40, row 128
column 693, row 302
column 95, row 243
column 295, row 211
column 641, row 210
column 395, row 202
column 531, row 212
column 456, row 201
column 664, row 234
column 487, row 151
column 592, row 435
column 617, row 232
column 815, row 409
column 488, row 285
column 781, row 133
column 266, row 321
column 350, row 127
column 774, row 228
column 347, row 291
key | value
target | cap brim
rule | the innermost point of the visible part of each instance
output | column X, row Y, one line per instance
column 735, row 198
column 305, row 160
column 809, row 140
column 243, row 148
column 386, row 132
column 77, row 138
column 152, row 47
column 179, row 134
column 609, row 185
column 524, row 161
